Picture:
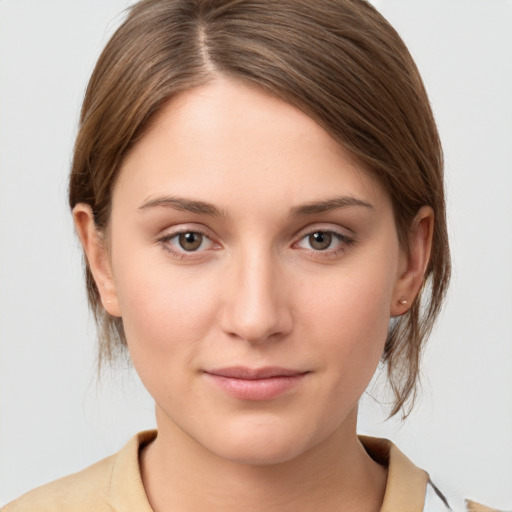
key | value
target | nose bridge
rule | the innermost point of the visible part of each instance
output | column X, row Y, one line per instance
column 256, row 306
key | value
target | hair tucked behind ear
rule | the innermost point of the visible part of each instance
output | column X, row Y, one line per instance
column 337, row 60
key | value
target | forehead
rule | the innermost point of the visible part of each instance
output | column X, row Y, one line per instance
column 230, row 140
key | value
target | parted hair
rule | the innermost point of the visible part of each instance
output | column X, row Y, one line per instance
column 339, row 61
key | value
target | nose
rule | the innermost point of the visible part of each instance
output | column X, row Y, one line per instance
column 257, row 306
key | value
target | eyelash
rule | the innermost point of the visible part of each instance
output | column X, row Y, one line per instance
column 344, row 241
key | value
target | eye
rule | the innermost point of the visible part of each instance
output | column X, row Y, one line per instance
column 324, row 240
column 187, row 241
column 190, row 241
column 320, row 240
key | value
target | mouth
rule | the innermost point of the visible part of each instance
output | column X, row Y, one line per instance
column 255, row 384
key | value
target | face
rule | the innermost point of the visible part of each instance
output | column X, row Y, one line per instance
column 256, row 267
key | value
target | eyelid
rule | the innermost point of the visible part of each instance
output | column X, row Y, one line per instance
column 325, row 228
column 177, row 229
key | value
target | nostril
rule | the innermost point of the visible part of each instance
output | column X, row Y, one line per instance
column 257, row 324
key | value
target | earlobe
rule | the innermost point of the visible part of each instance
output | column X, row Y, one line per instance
column 97, row 256
column 414, row 265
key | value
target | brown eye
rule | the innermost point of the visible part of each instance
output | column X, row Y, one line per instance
column 320, row 240
column 190, row 241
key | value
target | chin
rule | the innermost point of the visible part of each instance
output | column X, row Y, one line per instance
column 257, row 452
column 260, row 443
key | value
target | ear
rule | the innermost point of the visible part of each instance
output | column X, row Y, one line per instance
column 96, row 252
column 414, row 264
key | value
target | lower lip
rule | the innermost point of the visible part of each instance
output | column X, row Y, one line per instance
column 256, row 389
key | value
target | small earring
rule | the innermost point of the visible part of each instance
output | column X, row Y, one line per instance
column 403, row 301
column 109, row 302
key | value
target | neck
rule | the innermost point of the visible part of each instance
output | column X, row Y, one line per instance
column 335, row 475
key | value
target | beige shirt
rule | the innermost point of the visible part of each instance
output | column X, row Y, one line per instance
column 115, row 485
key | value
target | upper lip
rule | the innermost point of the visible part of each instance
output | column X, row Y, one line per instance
column 242, row 372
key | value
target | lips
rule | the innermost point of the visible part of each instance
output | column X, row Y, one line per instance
column 255, row 384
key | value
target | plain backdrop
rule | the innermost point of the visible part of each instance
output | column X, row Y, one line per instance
column 57, row 418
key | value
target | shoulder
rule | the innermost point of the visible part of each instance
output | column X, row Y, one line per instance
column 80, row 491
column 409, row 488
column 114, row 483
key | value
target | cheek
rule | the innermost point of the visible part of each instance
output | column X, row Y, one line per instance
column 356, row 329
column 166, row 311
column 351, row 322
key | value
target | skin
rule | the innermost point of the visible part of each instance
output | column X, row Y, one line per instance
column 257, row 292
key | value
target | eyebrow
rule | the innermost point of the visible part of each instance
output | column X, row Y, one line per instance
column 204, row 208
column 328, row 205
column 186, row 205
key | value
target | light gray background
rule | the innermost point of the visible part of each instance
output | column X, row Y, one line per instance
column 56, row 418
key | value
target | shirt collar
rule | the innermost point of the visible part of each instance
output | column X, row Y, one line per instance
column 405, row 487
column 126, row 489
column 406, row 484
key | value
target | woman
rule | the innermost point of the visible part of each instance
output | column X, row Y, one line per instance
column 258, row 191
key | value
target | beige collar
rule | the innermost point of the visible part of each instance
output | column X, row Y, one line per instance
column 405, row 488
column 126, row 489
column 406, row 485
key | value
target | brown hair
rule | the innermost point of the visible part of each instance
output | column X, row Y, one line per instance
column 337, row 60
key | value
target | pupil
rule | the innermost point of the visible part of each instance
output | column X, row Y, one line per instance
column 320, row 240
column 190, row 241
